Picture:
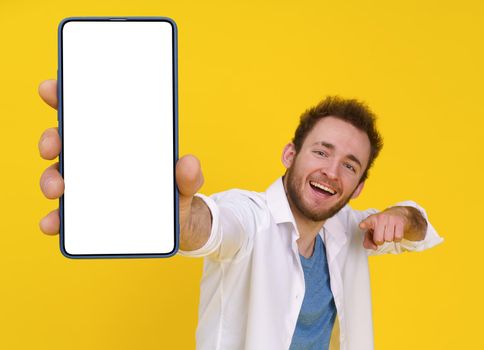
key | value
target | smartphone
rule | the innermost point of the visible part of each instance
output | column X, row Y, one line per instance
column 117, row 117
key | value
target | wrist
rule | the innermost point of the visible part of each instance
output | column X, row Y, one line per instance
column 416, row 225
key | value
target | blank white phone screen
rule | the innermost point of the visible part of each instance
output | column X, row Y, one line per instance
column 118, row 139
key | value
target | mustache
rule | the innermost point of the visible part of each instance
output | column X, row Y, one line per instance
column 326, row 180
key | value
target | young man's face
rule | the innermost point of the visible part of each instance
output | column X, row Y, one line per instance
column 325, row 174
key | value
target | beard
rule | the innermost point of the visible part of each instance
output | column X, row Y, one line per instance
column 295, row 183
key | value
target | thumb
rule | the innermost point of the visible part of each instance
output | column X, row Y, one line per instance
column 189, row 180
column 189, row 177
column 368, row 241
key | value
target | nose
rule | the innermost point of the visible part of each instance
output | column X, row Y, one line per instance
column 330, row 169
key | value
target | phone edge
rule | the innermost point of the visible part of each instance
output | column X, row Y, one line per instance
column 175, row 137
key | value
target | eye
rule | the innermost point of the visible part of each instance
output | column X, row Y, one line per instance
column 350, row 167
column 321, row 153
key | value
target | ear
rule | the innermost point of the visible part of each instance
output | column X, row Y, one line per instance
column 358, row 190
column 288, row 155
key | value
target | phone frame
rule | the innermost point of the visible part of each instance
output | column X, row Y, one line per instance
column 60, row 120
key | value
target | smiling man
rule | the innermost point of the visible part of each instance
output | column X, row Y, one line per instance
column 281, row 266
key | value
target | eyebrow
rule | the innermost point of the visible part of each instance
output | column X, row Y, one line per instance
column 332, row 147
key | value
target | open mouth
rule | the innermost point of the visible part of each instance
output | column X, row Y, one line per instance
column 323, row 189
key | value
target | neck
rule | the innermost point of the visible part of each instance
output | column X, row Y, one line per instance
column 308, row 229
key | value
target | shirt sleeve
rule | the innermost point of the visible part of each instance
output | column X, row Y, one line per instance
column 236, row 217
column 431, row 239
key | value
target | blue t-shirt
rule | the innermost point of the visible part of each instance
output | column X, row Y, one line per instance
column 318, row 311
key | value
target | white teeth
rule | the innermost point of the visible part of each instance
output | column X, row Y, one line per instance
column 324, row 188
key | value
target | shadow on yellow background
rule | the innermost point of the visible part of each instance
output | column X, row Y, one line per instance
column 247, row 71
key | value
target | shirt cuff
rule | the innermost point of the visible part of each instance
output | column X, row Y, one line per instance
column 431, row 239
column 215, row 237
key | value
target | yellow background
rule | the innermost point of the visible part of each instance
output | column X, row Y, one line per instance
column 246, row 72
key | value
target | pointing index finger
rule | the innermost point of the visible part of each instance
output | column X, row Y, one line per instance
column 368, row 223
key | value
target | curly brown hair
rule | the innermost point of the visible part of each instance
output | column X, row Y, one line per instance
column 352, row 111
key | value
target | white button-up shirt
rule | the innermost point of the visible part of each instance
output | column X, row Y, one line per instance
column 252, row 286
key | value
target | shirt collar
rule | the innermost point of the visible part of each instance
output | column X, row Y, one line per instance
column 278, row 204
column 281, row 211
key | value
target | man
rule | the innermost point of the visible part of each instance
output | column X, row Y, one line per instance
column 281, row 265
